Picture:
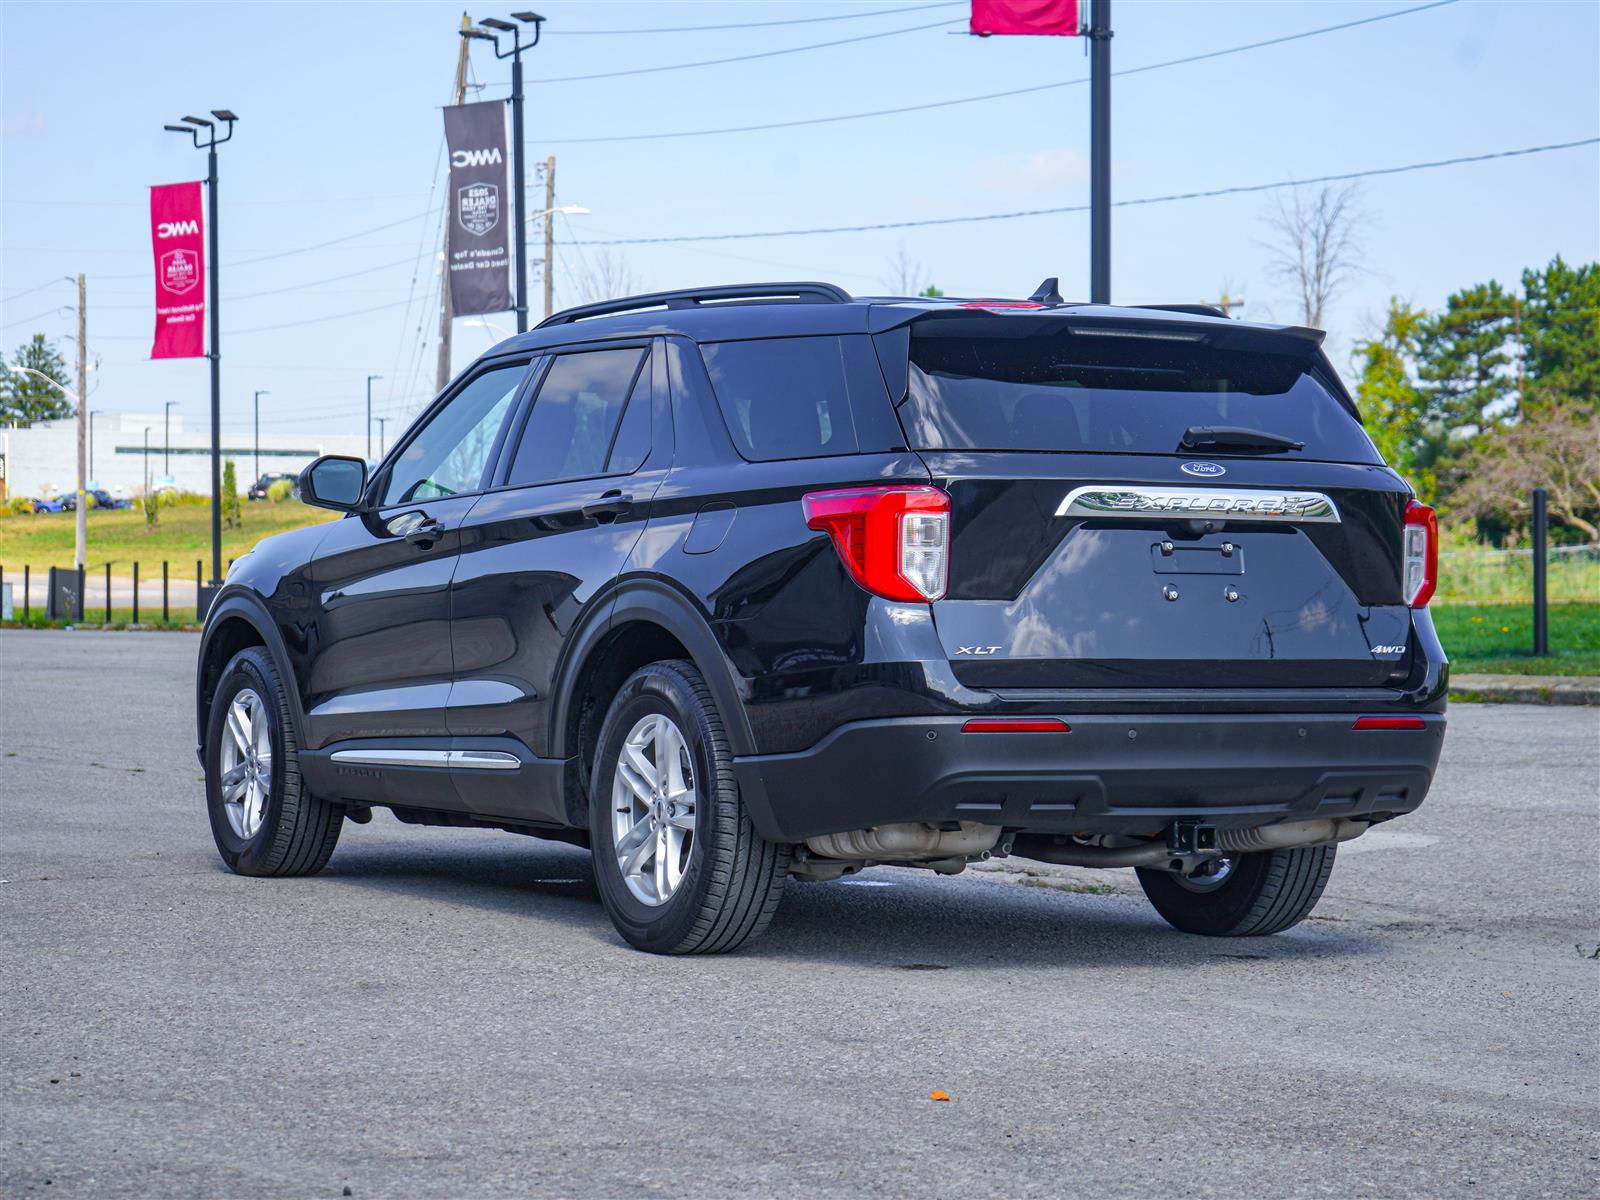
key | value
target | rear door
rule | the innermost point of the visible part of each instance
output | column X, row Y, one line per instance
column 580, row 471
column 1129, row 510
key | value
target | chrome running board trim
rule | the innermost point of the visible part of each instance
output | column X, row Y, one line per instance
column 473, row 760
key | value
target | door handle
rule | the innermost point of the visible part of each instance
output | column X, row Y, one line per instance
column 424, row 533
column 608, row 508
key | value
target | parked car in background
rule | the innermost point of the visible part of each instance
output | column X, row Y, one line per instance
column 65, row 502
column 749, row 584
column 260, row 488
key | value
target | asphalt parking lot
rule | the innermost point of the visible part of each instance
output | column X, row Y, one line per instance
column 448, row 1013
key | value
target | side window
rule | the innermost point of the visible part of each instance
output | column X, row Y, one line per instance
column 451, row 453
column 783, row 397
column 632, row 444
column 570, row 428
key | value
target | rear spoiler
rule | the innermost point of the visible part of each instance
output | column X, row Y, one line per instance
column 891, row 328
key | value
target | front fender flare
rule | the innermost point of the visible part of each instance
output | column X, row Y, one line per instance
column 240, row 603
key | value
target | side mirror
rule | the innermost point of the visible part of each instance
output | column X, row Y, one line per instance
column 334, row 481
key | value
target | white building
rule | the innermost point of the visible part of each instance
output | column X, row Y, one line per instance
column 42, row 460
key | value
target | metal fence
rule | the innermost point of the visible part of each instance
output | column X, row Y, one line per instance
column 136, row 594
column 1506, row 576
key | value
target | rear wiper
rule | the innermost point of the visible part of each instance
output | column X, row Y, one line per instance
column 1233, row 437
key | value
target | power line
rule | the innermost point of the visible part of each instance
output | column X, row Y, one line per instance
column 356, row 312
column 738, row 58
column 30, row 291
column 49, row 312
column 1023, row 91
column 881, row 12
column 1075, row 208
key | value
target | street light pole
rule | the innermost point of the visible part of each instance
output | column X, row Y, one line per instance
column 518, row 170
column 370, row 378
column 261, row 393
column 1100, row 152
column 382, row 424
column 194, row 127
column 166, row 438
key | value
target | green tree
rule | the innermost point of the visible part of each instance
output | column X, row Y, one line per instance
column 1464, row 359
column 25, row 398
column 932, row 291
column 1561, row 331
column 230, row 496
column 1394, row 409
column 1556, row 447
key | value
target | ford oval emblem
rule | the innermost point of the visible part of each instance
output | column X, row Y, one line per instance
column 1206, row 470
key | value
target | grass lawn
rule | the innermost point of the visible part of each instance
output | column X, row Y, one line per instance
column 1495, row 639
column 119, row 536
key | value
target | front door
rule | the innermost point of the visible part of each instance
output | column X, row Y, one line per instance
column 380, row 660
column 591, row 451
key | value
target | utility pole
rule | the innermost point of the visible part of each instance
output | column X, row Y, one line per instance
column 549, row 234
column 93, row 413
column 1227, row 304
column 370, row 378
column 1516, row 317
column 442, row 372
column 147, row 466
column 80, row 541
column 261, row 393
column 1100, row 152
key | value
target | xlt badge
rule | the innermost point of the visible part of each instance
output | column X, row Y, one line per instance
column 977, row 649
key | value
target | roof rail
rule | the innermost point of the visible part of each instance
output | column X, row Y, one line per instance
column 1194, row 310
column 794, row 293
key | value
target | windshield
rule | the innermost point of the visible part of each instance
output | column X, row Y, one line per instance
column 1043, row 386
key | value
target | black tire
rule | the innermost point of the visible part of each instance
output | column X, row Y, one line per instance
column 297, row 832
column 1264, row 893
column 734, row 877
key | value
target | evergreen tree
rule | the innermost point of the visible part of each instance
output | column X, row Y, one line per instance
column 1464, row 359
column 1561, row 331
column 26, row 398
column 230, row 496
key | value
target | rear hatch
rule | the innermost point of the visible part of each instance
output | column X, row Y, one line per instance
column 1152, row 501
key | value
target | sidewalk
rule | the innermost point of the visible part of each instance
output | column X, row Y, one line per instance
column 1526, row 689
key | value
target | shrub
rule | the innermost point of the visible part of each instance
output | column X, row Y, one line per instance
column 230, row 496
column 89, row 502
column 19, row 506
column 280, row 490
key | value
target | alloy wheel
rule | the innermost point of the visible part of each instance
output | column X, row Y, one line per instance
column 246, row 763
column 653, row 809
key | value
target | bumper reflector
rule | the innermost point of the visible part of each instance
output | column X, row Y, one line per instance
column 1016, row 725
column 1389, row 723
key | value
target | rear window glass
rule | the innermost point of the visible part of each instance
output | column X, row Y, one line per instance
column 783, row 397
column 1051, row 388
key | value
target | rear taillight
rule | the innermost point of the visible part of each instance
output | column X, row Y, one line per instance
column 1420, row 555
column 894, row 541
column 1016, row 725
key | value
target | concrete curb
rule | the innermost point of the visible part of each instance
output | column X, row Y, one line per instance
column 1526, row 689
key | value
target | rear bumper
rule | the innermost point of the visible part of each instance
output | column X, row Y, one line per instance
column 1111, row 774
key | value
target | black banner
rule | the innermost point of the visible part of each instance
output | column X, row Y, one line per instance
column 478, row 249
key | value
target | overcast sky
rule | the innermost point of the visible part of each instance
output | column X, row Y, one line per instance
column 341, row 133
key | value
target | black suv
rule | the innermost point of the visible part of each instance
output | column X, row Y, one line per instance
column 746, row 584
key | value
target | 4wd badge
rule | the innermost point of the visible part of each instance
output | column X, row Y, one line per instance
column 478, row 207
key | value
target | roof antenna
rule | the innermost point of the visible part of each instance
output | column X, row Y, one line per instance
column 1048, row 293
